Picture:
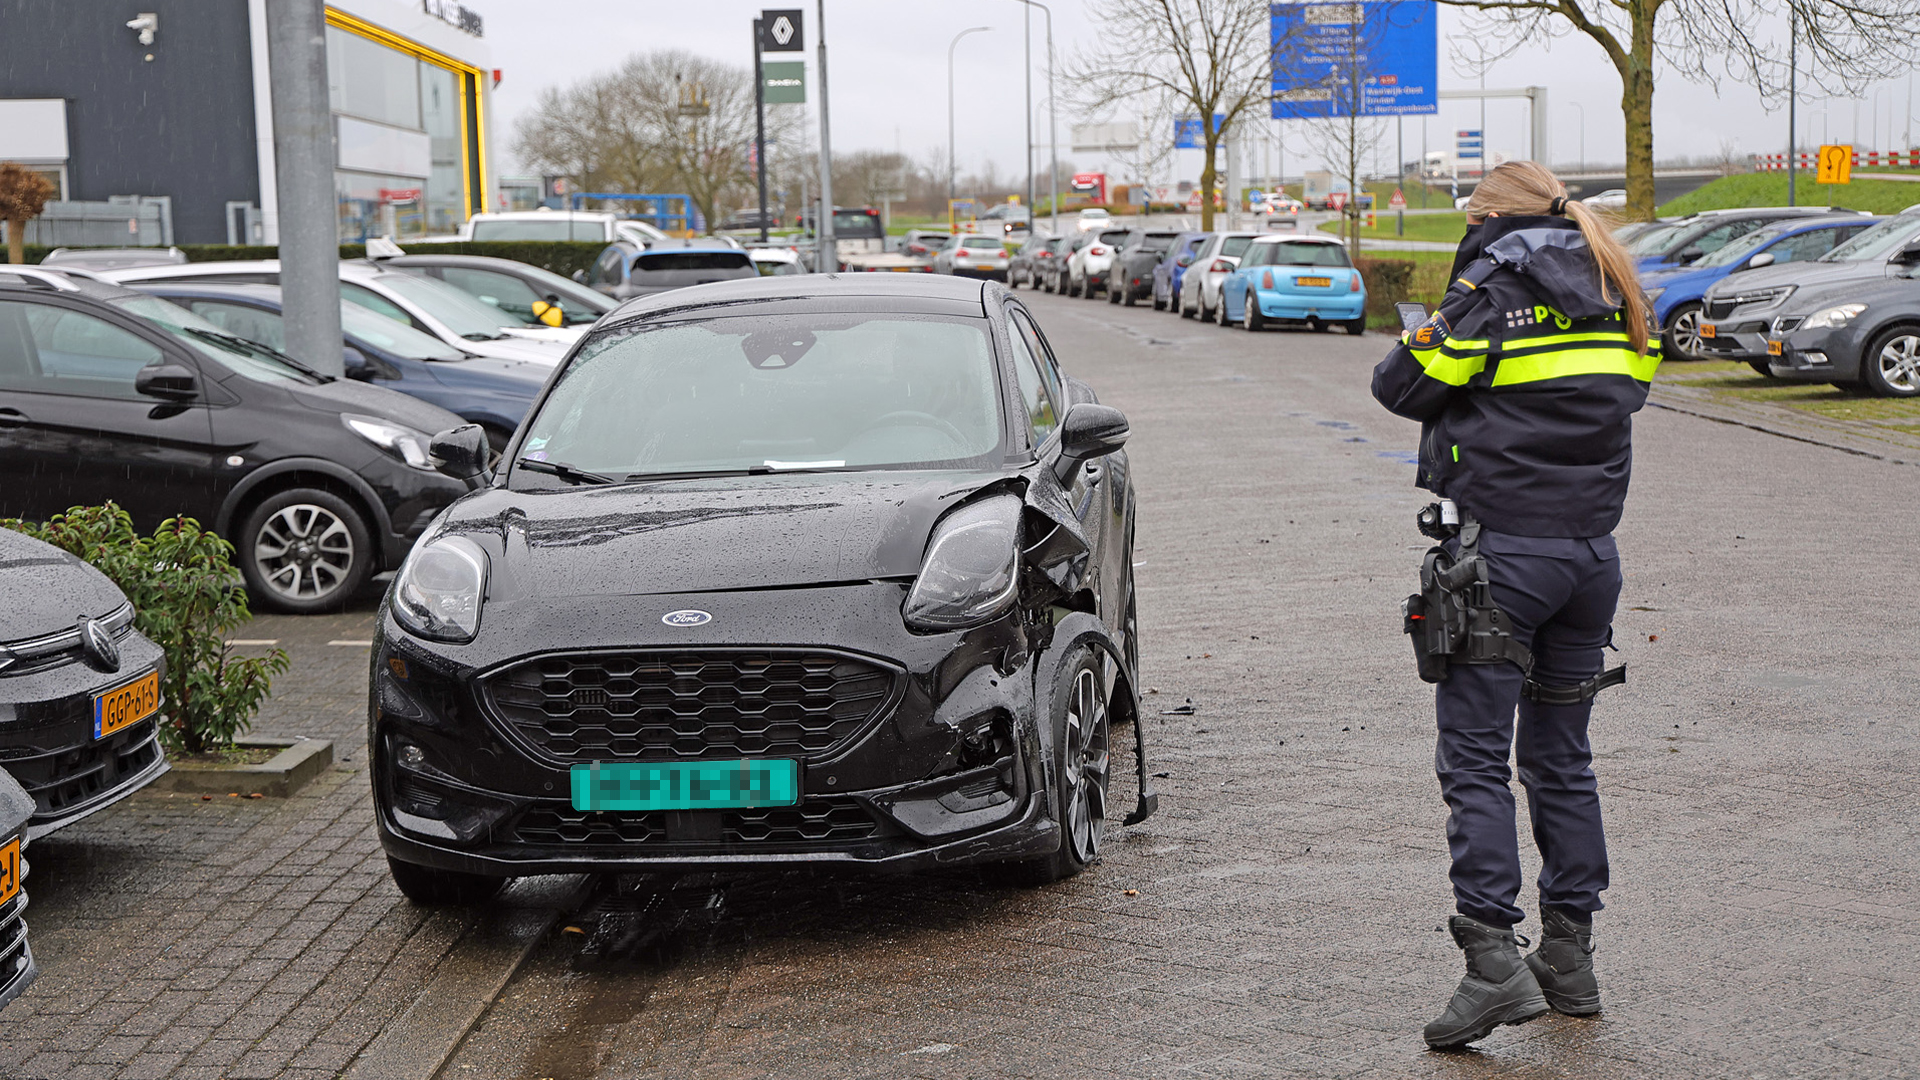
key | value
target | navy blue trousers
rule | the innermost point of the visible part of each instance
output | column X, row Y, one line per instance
column 1560, row 594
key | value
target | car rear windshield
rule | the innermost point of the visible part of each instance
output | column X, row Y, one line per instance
column 653, row 261
column 772, row 393
column 1301, row 253
column 857, row 225
column 1878, row 242
column 557, row 230
column 979, row 241
column 1156, row 243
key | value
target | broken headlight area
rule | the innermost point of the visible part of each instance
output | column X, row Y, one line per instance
column 987, row 787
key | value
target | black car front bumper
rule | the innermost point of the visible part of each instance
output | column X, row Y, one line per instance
column 914, row 750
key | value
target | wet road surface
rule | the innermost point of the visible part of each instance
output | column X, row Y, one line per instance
column 1281, row 915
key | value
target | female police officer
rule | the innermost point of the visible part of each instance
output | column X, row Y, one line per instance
column 1525, row 382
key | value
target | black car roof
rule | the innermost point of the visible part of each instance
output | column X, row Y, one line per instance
column 929, row 293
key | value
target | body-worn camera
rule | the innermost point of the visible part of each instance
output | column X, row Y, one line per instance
column 1439, row 520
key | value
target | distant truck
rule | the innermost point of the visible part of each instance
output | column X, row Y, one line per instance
column 1322, row 187
column 1443, row 165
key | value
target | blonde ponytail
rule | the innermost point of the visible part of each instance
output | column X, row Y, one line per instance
column 1529, row 189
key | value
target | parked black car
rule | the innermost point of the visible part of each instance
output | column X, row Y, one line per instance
column 17, row 969
column 829, row 570
column 382, row 352
column 79, row 688
column 626, row 270
column 1025, row 265
column 529, row 292
column 107, row 393
column 1131, row 275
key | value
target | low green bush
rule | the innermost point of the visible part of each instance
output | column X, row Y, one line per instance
column 186, row 597
column 1389, row 281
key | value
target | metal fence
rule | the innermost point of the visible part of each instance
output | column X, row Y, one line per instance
column 121, row 221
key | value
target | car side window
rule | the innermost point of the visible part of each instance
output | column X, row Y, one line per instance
column 374, row 302
column 606, row 269
column 1037, row 344
column 1033, row 388
column 503, row 291
column 59, row 351
column 264, row 327
column 1807, row 245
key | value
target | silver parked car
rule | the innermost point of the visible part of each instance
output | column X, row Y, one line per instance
column 1200, row 285
column 972, row 255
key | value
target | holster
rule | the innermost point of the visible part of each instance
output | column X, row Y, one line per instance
column 1453, row 619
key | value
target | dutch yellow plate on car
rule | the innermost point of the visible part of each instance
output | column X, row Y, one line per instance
column 9, row 870
column 1706, row 330
column 1316, row 282
column 126, row 704
column 1773, row 348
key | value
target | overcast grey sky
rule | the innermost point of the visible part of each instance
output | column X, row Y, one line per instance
column 888, row 68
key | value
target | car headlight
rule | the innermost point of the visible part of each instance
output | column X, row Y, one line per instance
column 440, row 588
column 1832, row 318
column 399, row 441
column 969, row 574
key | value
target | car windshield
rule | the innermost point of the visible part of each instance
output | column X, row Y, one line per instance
column 1156, row 243
column 1877, row 242
column 1741, row 247
column 397, row 338
column 235, row 354
column 770, row 393
column 557, row 229
column 459, row 312
column 1302, row 253
column 1655, row 241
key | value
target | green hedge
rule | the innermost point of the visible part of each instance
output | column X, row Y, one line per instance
column 1389, row 281
column 561, row 258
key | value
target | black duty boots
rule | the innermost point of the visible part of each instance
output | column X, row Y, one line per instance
column 1563, row 965
column 1499, row 987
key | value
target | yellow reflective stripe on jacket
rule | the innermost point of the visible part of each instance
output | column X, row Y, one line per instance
column 1453, row 361
column 1539, row 367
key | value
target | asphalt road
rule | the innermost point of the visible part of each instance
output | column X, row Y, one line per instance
column 1280, row 916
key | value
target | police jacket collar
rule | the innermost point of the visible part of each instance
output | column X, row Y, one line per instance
column 1553, row 260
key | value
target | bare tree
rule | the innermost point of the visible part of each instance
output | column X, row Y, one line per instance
column 1209, row 57
column 1843, row 43
column 23, row 195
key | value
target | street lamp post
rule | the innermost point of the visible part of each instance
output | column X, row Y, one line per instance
column 1582, row 167
column 1053, row 141
column 950, row 144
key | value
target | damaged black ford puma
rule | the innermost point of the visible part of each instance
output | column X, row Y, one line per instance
column 818, row 570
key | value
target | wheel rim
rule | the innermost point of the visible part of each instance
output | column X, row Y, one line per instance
column 1088, row 760
column 303, row 552
column 1248, row 316
column 1899, row 362
column 1686, row 332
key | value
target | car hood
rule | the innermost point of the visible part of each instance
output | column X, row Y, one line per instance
column 709, row 535
column 351, row 396
column 44, row 590
column 1806, row 275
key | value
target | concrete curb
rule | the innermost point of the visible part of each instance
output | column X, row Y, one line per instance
column 1785, row 423
column 294, row 767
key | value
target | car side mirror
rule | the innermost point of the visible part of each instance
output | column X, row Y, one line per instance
column 171, row 382
column 580, row 276
column 1909, row 254
column 1765, row 258
column 1690, row 254
column 356, row 364
column 1088, row 431
column 460, row 452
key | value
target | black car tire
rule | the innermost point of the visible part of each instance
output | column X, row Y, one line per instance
column 1185, row 311
column 1116, row 292
column 1250, row 316
column 1760, row 368
column 1356, row 327
column 433, row 888
column 1683, row 327
column 1159, row 304
column 1083, row 760
column 290, row 519
column 1891, row 365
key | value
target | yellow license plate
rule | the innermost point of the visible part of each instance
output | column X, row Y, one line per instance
column 1321, row 282
column 9, row 870
column 126, row 705
column 1707, row 330
column 1773, row 348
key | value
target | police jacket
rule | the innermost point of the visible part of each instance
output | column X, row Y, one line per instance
column 1525, row 383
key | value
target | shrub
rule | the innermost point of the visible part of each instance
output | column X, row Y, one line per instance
column 1389, row 281
column 186, row 596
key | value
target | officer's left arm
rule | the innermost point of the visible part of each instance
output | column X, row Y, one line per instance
column 1435, row 358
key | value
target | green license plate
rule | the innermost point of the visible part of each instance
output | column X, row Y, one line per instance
column 685, row 785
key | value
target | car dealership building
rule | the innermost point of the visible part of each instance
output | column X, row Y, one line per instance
column 180, row 108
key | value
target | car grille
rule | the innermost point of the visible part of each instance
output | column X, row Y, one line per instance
column 13, row 940
column 1758, row 326
column 1719, row 307
column 664, row 706
column 1788, row 324
column 69, row 778
column 52, row 650
column 819, row 820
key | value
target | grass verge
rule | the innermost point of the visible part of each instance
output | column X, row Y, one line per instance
column 1445, row 228
column 1770, row 189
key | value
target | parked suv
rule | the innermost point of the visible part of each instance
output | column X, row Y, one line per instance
column 79, row 697
column 107, row 393
column 1087, row 266
column 626, row 270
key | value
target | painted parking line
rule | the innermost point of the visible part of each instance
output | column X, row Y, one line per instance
column 352, row 643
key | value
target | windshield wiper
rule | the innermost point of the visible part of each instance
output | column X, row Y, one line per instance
column 564, row 471
column 240, row 344
column 484, row 337
column 705, row 474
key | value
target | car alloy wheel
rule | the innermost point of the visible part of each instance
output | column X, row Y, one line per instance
column 1250, row 316
column 1088, row 759
column 303, row 552
column 1893, row 369
column 1683, row 333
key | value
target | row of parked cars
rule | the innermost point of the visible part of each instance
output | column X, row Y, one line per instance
column 1251, row 279
column 1803, row 294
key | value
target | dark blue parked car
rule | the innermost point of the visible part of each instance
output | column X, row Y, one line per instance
column 1167, row 275
column 483, row 390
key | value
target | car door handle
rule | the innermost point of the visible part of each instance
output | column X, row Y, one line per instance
column 13, row 418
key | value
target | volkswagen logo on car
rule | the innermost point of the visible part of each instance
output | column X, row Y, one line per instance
column 687, row 617
column 98, row 642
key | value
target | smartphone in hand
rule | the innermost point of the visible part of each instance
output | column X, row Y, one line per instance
column 1412, row 315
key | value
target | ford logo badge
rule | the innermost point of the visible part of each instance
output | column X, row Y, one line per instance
column 688, row 617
